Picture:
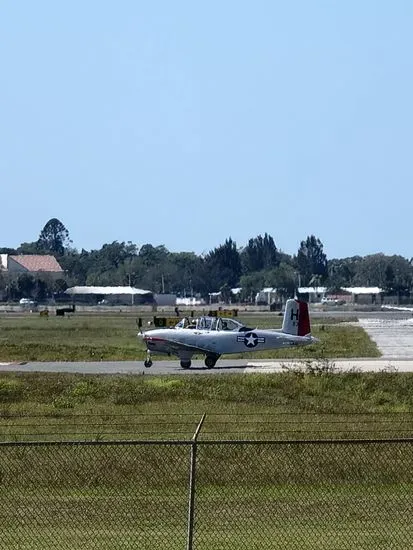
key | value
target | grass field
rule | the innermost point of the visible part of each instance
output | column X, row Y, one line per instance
column 287, row 405
column 290, row 495
column 107, row 495
column 84, row 337
column 327, row 517
column 328, row 496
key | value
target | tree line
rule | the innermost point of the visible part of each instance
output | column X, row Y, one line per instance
column 252, row 267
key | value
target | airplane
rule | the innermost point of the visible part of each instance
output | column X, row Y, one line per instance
column 216, row 336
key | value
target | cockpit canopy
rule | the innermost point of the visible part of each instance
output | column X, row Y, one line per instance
column 210, row 323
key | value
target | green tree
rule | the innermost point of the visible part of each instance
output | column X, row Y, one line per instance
column 342, row 271
column 372, row 271
column 151, row 267
column 28, row 248
column 251, row 284
column 3, row 283
column 311, row 260
column 260, row 253
column 283, row 278
column 26, row 285
column 225, row 293
column 394, row 274
column 399, row 276
column 76, row 266
column 12, row 291
column 106, row 265
column 112, row 255
column 41, row 290
column 54, row 238
column 184, row 270
column 59, row 285
column 223, row 266
column 153, row 255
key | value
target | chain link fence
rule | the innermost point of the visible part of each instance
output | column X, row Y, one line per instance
column 305, row 495
column 206, row 495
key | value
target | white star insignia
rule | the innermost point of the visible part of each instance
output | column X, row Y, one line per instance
column 250, row 341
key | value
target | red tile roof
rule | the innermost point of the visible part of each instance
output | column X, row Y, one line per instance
column 36, row 262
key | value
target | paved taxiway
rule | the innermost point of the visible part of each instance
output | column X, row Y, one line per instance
column 394, row 337
column 224, row 366
column 392, row 332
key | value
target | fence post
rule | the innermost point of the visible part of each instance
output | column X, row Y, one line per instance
column 192, row 476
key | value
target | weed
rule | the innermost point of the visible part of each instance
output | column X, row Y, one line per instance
column 63, row 402
column 10, row 390
column 318, row 367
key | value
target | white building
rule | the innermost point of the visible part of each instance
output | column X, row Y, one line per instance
column 267, row 295
column 190, row 301
column 369, row 295
column 315, row 293
column 110, row 295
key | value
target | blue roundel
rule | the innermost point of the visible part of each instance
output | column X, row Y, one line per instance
column 250, row 339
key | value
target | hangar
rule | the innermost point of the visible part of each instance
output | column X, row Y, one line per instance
column 110, row 295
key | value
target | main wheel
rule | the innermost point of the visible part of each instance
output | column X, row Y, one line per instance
column 148, row 363
column 210, row 361
column 185, row 364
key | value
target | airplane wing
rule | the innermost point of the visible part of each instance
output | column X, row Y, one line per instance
column 186, row 347
column 176, row 346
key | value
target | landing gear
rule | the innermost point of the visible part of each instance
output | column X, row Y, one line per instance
column 210, row 361
column 185, row 364
column 148, row 361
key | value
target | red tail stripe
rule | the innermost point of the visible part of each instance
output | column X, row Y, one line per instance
column 304, row 319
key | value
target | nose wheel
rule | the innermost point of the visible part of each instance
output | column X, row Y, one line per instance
column 148, row 361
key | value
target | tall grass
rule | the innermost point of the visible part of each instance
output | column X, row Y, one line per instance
column 279, row 406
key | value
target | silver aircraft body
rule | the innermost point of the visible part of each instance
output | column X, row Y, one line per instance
column 216, row 336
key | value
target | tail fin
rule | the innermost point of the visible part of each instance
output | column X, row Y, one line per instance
column 296, row 318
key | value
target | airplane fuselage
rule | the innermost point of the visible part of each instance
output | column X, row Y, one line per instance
column 214, row 336
column 218, row 343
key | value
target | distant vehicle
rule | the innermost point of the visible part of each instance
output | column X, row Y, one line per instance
column 332, row 301
column 27, row 303
column 215, row 336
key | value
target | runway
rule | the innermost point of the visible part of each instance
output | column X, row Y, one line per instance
column 394, row 337
column 392, row 332
column 224, row 366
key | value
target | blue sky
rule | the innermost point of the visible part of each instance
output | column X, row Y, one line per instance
column 184, row 123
